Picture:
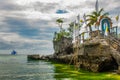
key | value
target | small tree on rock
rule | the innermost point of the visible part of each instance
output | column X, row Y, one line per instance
column 60, row 23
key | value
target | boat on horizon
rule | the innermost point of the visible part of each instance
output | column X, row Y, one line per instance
column 13, row 52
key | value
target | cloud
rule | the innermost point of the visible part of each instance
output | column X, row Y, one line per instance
column 18, row 33
column 15, row 41
column 30, row 24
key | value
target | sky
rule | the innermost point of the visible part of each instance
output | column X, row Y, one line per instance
column 28, row 26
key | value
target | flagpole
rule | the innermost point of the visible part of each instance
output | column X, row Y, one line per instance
column 117, row 24
column 97, row 6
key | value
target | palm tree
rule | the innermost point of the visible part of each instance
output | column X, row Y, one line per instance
column 94, row 18
column 60, row 23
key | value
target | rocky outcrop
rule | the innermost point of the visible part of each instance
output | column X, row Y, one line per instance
column 63, row 46
column 37, row 57
column 97, row 63
column 94, row 55
column 33, row 57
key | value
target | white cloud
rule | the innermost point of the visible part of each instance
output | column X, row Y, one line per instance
column 13, row 37
column 20, row 43
column 27, row 2
column 41, row 15
column 30, row 11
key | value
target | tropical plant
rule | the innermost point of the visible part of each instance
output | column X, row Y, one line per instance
column 117, row 19
column 60, row 35
column 81, row 21
column 60, row 23
column 94, row 18
column 70, row 28
column 73, row 27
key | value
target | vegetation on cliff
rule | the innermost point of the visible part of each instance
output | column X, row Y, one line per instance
column 59, row 35
column 95, row 16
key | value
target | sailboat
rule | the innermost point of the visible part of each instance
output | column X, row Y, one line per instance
column 13, row 52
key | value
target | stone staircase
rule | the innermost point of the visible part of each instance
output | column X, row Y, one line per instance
column 114, row 42
column 115, row 48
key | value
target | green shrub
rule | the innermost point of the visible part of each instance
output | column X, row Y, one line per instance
column 60, row 35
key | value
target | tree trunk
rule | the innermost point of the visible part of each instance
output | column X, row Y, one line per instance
column 60, row 27
column 90, row 31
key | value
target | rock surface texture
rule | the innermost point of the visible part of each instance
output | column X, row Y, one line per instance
column 94, row 55
column 63, row 46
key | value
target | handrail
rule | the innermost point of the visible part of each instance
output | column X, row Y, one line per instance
column 110, row 37
column 114, row 41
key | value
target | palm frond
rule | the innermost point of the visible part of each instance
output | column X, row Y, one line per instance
column 94, row 13
column 59, row 20
column 101, row 10
column 105, row 14
column 91, row 16
column 91, row 19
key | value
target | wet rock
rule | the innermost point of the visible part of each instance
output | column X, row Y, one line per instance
column 38, row 57
column 33, row 57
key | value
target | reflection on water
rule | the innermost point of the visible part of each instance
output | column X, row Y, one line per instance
column 19, row 68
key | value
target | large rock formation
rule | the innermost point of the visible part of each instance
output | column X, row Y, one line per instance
column 63, row 46
column 94, row 55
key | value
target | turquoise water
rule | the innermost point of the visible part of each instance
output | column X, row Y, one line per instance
column 17, row 67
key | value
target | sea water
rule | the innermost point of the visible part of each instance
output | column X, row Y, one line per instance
column 17, row 67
